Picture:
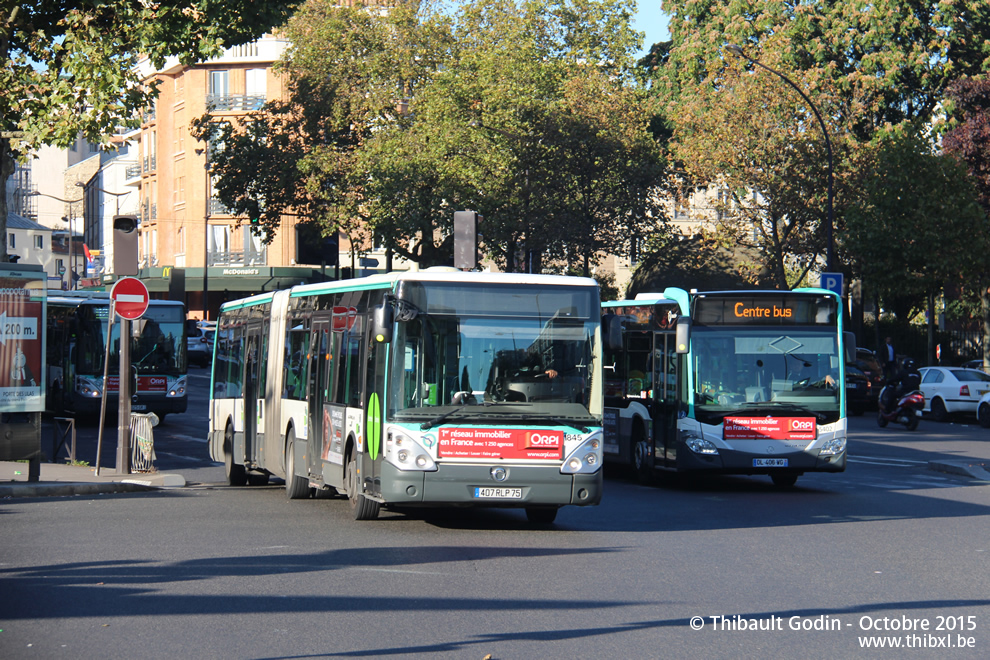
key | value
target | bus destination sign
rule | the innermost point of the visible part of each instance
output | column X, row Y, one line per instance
column 734, row 309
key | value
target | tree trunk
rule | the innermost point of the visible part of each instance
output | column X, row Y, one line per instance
column 931, row 327
column 7, row 166
column 985, row 308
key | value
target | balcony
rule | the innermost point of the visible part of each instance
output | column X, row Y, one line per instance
column 217, row 207
column 242, row 258
column 234, row 102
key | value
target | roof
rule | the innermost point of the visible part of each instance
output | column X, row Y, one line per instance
column 15, row 221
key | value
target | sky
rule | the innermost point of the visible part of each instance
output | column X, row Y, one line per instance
column 652, row 21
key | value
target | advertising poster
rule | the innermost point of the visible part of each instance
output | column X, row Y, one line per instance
column 501, row 443
column 769, row 428
column 22, row 324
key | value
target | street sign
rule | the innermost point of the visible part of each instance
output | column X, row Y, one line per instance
column 832, row 282
column 130, row 297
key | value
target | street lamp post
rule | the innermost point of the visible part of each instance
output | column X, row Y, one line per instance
column 830, row 243
column 37, row 193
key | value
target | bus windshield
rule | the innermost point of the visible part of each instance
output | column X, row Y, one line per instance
column 474, row 367
column 156, row 344
column 750, row 368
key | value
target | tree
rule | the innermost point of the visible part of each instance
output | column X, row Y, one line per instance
column 916, row 227
column 772, row 162
column 969, row 139
column 69, row 67
column 349, row 73
column 524, row 111
column 873, row 69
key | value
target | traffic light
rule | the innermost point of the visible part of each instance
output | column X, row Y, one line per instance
column 125, row 245
column 314, row 248
column 466, row 239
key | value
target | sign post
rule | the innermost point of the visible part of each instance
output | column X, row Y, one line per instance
column 130, row 301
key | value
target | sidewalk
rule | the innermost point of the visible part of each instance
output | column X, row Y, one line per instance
column 61, row 479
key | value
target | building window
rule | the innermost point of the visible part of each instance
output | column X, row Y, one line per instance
column 179, row 194
column 219, row 83
column 11, row 241
column 255, row 88
column 39, row 242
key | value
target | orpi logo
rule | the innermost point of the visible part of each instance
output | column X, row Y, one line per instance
column 544, row 439
column 802, row 425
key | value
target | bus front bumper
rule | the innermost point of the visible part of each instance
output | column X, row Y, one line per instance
column 736, row 462
column 160, row 404
column 523, row 485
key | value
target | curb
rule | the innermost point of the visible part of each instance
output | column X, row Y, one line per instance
column 974, row 470
column 69, row 488
column 66, row 489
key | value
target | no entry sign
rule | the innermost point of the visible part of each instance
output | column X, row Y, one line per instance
column 130, row 297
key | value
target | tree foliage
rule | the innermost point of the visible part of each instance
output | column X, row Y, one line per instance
column 872, row 69
column 915, row 225
column 525, row 111
column 69, row 66
column 968, row 104
column 969, row 139
column 772, row 162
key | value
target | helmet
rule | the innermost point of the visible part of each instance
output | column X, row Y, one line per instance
column 910, row 364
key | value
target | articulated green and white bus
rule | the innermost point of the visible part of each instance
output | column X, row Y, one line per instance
column 733, row 382
column 426, row 388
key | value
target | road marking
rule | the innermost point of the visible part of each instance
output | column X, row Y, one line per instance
column 877, row 460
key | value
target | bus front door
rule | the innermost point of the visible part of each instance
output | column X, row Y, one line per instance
column 665, row 403
column 252, row 388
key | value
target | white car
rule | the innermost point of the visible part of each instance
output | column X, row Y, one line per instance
column 199, row 342
column 950, row 390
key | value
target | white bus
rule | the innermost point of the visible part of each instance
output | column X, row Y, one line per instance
column 732, row 382
column 425, row 388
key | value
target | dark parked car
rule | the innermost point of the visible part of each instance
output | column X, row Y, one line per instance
column 859, row 390
column 973, row 364
column 867, row 362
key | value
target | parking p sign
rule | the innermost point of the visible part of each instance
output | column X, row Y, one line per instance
column 832, row 282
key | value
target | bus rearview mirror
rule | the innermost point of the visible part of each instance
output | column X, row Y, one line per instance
column 381, row 323
column 682, row 336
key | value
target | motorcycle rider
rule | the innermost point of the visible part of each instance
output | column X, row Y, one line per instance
column 908, row 380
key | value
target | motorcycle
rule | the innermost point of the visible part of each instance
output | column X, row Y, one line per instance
column 907, row 411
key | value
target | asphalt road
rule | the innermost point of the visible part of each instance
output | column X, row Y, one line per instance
column 888, row 552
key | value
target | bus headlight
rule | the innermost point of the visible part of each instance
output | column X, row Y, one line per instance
column 88, row 387
column 697, row 444
column 586, row 457
column 406, row 454
column 833, row 447
column 178, row 388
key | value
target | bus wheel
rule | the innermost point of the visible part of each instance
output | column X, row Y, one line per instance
column 361, row 506
column 296, row 488
column 784, row 479
column 236, row 474
column 641, row 458
column 541, row 515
